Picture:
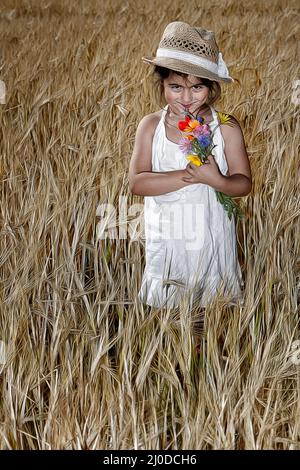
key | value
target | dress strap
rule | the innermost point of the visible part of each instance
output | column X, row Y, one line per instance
column 163, row 115
column 164, row 112
column 214, row 115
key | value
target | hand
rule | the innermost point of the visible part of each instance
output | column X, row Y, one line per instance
column 208, row 173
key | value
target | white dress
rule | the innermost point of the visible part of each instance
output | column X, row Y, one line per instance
column 190, row 243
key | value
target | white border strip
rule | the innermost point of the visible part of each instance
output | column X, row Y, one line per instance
column 187, row 57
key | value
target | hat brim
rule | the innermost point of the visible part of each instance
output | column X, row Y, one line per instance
column 180, row 66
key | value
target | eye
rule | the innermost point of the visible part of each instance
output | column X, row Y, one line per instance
column 175, row 86
column 198, row 86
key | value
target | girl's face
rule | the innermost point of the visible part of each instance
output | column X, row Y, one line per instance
column 185, row 93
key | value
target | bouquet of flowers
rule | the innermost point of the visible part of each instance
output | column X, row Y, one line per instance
column 197, row 145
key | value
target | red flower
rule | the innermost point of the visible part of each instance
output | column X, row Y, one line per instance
column 182, row 125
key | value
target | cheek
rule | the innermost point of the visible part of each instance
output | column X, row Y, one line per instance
column 203, row 94
column 170, row 95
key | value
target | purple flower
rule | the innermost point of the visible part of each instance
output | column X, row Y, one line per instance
column 185, row 145
column 200, row 119
column 201, row 130
column 204, row 140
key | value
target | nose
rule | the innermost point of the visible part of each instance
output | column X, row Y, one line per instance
column 187, row 97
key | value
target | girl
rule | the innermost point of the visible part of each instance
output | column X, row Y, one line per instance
column 190, row 241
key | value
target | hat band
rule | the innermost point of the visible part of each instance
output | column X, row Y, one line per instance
column 219, row 69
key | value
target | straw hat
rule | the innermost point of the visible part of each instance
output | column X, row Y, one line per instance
column 192, row 50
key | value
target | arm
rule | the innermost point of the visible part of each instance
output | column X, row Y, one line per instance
column 239, row 181
column 236, row 185
column 142, row 180
column 149, row 183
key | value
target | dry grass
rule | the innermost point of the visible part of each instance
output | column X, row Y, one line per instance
column 88, row 367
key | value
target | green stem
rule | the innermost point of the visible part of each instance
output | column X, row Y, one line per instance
column 230, row 206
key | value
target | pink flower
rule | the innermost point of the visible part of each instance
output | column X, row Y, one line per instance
column 202, row 130
column 185, row 145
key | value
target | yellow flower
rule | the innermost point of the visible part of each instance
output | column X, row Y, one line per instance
column 194, row 159
column 224, row 118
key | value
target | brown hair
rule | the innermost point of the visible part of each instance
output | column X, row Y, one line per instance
column 162, row 72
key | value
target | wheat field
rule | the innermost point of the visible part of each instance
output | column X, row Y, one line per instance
column 83, row 364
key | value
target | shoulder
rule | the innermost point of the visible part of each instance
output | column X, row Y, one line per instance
column 234, row 122
column 146, row 129
column 232, row 126
column 232, row 131
column 150, row 121
column 234, row 147
column 141, row 159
